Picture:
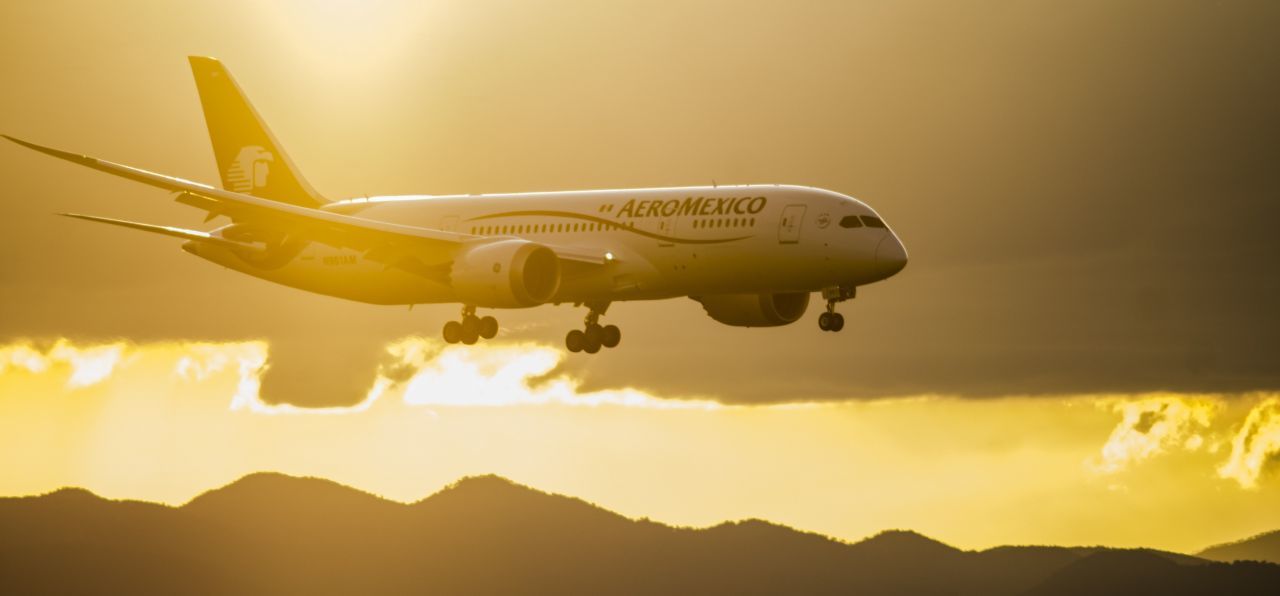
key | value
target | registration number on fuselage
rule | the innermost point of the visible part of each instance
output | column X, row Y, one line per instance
column 340, row 260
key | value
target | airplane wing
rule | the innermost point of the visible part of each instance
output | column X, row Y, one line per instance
column 193, row 235
column 379, row 240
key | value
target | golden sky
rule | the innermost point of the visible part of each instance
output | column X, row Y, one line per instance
column 1082, row 350
column 165, row 421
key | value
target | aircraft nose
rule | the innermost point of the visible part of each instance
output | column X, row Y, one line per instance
column 891, row 256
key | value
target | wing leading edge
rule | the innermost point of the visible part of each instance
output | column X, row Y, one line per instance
column 373, row 237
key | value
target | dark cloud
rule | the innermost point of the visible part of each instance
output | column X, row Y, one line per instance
column 1088, row 190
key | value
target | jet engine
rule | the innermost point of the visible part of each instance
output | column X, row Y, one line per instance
column 755, row 310
column 506, row 274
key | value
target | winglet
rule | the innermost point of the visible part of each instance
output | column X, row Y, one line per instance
column 73, row 157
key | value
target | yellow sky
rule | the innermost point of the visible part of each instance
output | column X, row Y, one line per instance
column 164, row 421
column 1045, row 163
column 1087, row 190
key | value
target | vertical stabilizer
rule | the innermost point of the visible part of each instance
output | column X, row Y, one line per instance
column 250, row 161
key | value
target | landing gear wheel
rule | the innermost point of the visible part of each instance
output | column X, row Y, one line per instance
column 593, row 342
column 488, row 327
column 470, row 330
column 575, row 340
column 610, row 335
column 832, row 320
column 593, row 337
column 452, row 332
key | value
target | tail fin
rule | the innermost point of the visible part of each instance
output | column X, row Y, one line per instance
column 250, row 160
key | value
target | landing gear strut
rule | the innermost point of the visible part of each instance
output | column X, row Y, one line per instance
column 832, row 320
column 593, row 337
column 471, row 328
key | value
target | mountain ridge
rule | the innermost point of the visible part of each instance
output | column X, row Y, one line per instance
column 1259, row 547
column 487, row 534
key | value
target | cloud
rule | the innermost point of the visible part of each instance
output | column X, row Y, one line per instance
column 1255, row 446
column 1151, row 425
column 430, row 373
column 202, row 360
column 424, row 373
column 501, row 374
column 88, row 365
column 199, row 361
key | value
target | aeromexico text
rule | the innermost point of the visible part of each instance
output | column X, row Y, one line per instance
column 691, row 206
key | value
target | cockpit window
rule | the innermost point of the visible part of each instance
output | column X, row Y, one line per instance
column 872, row 222
column 850, row 221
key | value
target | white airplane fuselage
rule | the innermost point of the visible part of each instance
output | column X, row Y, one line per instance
column 751, row 255
column 662, row 243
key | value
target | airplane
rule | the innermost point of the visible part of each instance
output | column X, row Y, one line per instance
column 751, row 255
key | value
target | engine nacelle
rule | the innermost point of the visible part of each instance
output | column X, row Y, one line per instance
column 506, row 274
column 756, row 310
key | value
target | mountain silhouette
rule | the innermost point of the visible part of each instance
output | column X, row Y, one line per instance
column 271, row 533
column 1263, row 547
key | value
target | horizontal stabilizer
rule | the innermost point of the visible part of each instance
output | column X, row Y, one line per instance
column 193, row 235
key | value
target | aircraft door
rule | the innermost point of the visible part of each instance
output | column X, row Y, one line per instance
column 789, row 225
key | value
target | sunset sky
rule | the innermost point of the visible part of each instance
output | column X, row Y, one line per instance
column 1082, row 350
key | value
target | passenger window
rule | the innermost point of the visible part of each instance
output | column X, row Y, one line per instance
column 850, row 221
column 872, row 222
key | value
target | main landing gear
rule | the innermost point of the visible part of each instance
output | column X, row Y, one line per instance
column 593, row 337
column 832, row 320
column 471, row 328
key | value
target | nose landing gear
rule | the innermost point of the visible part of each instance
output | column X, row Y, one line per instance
column 471, row 328
column 832, row 320
column 594, row 336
